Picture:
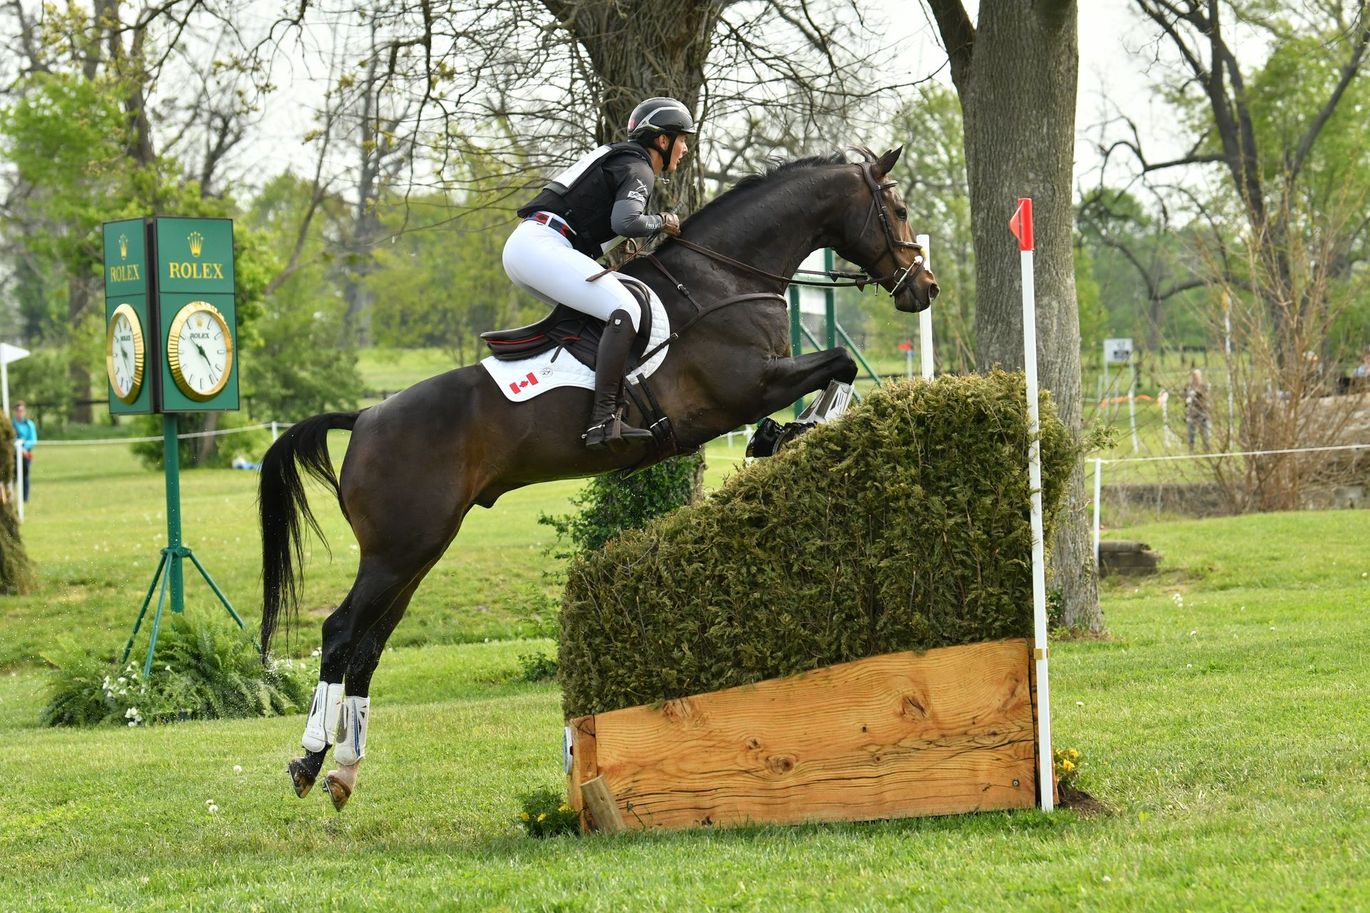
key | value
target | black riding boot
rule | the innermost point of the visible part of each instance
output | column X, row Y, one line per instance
column 606, row 426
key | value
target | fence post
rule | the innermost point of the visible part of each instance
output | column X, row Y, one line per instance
column 19, row 479
column 1098, row 496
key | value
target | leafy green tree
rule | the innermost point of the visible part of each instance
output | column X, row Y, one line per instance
column 299, row 360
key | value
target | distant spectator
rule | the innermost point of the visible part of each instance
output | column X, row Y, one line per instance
column 1362, row 372
column 1196, row 408
column 27, row 433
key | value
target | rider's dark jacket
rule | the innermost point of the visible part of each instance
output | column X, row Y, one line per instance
column 602, row 196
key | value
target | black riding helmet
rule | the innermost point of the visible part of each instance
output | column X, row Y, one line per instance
column 656, row 116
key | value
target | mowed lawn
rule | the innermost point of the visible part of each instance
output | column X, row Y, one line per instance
column 1225, row 725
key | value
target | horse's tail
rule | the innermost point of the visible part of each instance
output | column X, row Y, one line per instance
column 281, row 503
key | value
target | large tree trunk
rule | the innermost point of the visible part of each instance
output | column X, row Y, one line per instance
column 639, row 49
column 1016, row 76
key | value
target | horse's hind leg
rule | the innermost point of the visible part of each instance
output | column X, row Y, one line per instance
column 352, row 730
column 372, row 594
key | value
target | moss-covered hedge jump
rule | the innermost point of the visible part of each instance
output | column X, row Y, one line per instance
column 904, row 526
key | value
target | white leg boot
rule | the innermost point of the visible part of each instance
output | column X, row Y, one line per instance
column 351, row 746
column 324, row 715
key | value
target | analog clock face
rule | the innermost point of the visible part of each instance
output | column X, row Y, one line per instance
column 124, row 353
column 200, row 350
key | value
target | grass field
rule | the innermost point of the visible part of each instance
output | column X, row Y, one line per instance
column 1224, row 724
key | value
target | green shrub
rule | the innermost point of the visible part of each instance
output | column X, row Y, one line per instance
column 536, row 667
column 546, row 814
column 610, row 504
column 201, row 671
column 904, row 526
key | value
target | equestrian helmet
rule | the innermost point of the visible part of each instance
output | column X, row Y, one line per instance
column 656, row 116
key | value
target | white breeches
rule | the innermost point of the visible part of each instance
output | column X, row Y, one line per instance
column 540, row 260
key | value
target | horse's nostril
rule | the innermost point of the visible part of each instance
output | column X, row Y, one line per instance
column 933, row 291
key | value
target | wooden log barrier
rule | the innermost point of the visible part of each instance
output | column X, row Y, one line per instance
column 900, row 735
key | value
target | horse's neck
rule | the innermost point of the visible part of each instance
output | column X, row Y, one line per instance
column 780, row 223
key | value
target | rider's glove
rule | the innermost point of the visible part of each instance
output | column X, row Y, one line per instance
column 670, row 223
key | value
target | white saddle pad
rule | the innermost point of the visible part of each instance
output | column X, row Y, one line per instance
column 526, row 378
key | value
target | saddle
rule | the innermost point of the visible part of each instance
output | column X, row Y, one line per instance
column 569, row 329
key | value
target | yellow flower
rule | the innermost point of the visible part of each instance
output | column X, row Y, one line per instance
column 1067, row 766
column 523, row 815
column 1073, row 754
column 564, row 807
column 542, row 817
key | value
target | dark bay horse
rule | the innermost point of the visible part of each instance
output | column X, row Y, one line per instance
column 419, row 461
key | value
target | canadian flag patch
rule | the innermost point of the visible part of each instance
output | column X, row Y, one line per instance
column 517, row 386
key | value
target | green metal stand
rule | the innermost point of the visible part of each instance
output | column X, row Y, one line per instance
column 173, row 554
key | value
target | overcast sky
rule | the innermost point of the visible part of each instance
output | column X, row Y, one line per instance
column 1114, row 59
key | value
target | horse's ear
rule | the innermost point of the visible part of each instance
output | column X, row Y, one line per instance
column 885, row 164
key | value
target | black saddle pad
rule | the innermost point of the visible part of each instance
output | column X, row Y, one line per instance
column 569, row 329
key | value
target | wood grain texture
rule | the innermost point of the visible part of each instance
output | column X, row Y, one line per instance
column 600, row 805
column 899, row 735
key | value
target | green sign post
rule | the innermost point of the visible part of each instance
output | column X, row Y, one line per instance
column 171, row 348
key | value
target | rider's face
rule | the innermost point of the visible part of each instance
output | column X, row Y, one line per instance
column 677, row 152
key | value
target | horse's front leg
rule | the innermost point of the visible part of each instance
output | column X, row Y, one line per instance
column 787, row 379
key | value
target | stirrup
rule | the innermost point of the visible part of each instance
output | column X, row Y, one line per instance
column 615, row 435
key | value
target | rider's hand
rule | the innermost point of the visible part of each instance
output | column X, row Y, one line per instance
column 670, row 223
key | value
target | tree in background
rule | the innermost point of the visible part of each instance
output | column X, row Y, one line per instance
column 298, row 360
column 1015, row 73
column 1270, row 101
column 933, row 177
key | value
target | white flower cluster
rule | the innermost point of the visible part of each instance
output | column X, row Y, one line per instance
column 133, row 716
column 126, row 688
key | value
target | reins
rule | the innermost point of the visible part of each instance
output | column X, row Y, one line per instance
column 836, row 278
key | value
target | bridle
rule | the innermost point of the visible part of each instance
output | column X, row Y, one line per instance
column 839, row 278
column 900, row 275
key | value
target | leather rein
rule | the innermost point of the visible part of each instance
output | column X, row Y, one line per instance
column 836, row 278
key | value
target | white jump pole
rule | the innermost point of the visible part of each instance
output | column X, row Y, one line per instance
column 925, row 318
column 1021, row 225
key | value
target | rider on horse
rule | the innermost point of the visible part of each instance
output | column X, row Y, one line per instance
column 576, row 218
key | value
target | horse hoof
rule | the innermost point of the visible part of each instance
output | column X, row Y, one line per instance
column 338, row 790
column 300, row 776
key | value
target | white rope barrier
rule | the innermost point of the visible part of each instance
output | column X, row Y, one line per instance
column 142, row 440
column 1234, row 453
column 1100, row 461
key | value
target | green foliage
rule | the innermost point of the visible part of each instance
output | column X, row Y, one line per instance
column 932, row 176
column 545, row 814
column 193, row 451
column 201, row 671
column 537, row 667
column 611, row 504
column 439, row 281
column 1067, row 762
column 902, row 526
column 299, row 360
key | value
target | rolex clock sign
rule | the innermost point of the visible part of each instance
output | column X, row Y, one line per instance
column 129, row 356
column 170, row 333
column 196, row 317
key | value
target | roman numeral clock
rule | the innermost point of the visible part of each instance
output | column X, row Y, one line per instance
column 170, row 349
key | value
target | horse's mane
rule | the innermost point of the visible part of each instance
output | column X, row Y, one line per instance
column 746, row 185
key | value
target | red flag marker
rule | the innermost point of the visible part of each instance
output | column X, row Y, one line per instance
column 1021, row 223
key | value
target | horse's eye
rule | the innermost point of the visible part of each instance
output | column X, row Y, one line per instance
column 901, row 214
